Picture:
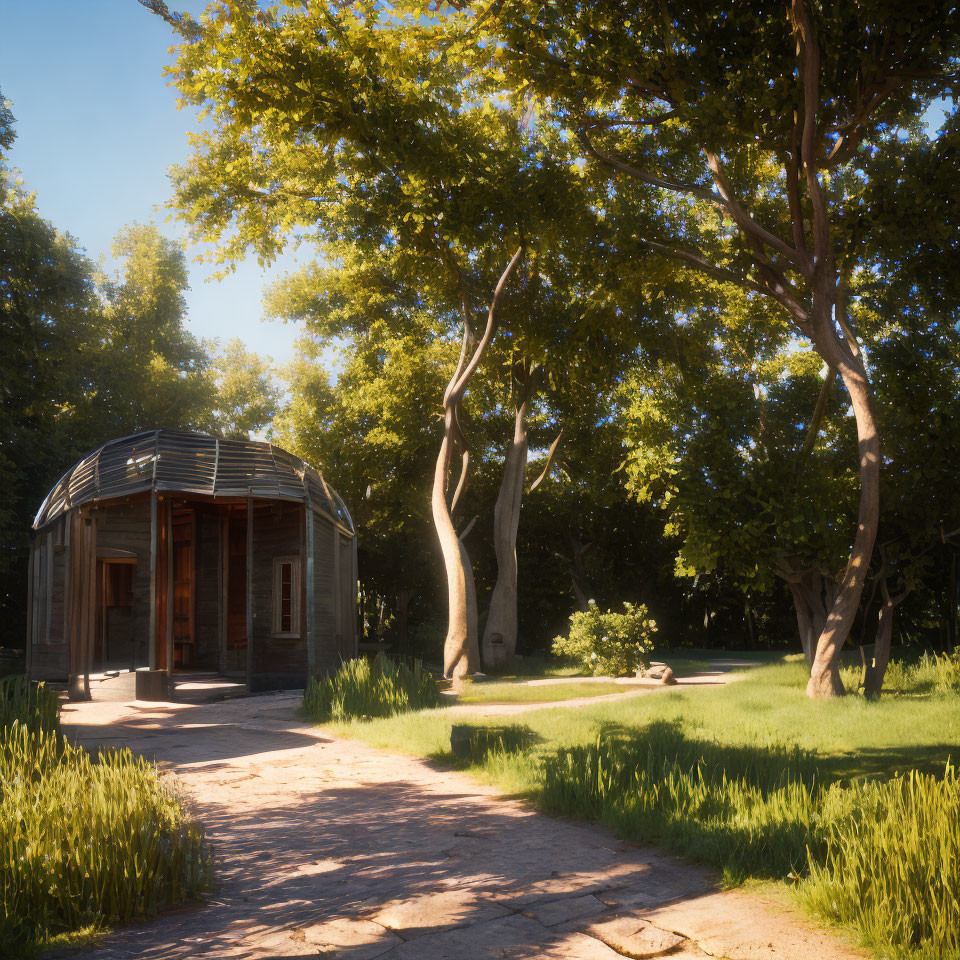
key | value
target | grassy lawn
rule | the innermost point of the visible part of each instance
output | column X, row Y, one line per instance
column 762, row 783
column 521, row 691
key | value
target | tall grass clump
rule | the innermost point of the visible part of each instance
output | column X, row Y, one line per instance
column 84, row 841
column 880, row 855
column 749, row 812
column 891, row 865
column 32, row 704
column 370, row 688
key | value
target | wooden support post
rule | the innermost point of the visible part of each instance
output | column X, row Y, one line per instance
column 249, row 594
column 168, row 639
column 90, row 531
column 152, row 636
column 28, row 650
column 222, row 580
column 309, row 595
column 337, row 594
column 354, row 583
column 67, row 588
column 48, row 613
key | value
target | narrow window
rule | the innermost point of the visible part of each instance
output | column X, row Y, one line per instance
column 286, row 596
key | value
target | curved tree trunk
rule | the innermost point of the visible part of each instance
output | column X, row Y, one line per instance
column 825, row 671
column 500, row 632
column 461, row 647
column 813, row 597
column 461, row 651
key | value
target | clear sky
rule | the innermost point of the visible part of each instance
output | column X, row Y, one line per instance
column 97, row 128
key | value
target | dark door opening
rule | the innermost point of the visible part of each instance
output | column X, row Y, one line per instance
column 114, row 644
column 184, row 578
column 236, row 594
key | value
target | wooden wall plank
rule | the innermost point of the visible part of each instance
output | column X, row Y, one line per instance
column 29, row 640
column 250, row 624
column 308, row 602
column 152, row 635
column 48, row 613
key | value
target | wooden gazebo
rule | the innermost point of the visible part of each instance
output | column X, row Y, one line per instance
column 168, row 551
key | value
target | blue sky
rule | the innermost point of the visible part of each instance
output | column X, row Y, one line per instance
column 97, row 128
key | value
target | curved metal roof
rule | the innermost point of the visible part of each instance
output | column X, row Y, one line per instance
column 173, row 462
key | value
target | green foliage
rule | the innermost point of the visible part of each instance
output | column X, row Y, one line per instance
column 475, row 744
column 246, row 399
column 889, row 865
column 33, row 705
column 747, row 811
column 364, row 688
column 878, row 855
column 83, row 841
column 608, row 644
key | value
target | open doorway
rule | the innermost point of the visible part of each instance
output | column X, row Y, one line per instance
column 115, row 639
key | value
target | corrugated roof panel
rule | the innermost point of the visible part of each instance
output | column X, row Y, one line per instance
column 190, row 463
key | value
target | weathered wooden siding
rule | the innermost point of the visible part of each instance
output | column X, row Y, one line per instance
column 49, row 652
column 348, row 600
column 278, row 661
column 126, row 526
column 325, row 627
column 208, row 588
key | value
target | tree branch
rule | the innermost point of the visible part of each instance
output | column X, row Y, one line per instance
column 546, row 467
column 741, row 217
column 183, row 23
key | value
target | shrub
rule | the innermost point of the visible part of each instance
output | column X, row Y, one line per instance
column 83, row 841
column 608, row 644
column 370, row 688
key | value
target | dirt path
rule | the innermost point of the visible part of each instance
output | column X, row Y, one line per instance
column 718, row 672
column 331, row 848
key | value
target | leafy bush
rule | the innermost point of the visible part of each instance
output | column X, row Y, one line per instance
column 83, row 841
column 608, row 644
column 883, row 856
column 370, row 688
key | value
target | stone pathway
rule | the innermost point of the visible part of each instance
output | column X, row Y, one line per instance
column 331, row 848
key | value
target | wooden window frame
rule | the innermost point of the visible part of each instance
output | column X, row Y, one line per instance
column 278, row 564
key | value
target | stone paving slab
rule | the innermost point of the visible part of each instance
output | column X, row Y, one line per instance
column 328, row 847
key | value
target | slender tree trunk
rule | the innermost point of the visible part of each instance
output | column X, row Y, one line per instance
column 578, row 573
column 403, row 608
column 461, row 647
column 813, row 597
column 461, row 651
column 825, row 671
column 500, row 631
column 874, row 673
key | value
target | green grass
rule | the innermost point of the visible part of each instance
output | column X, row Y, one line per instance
column 520, row 691
column 84, row 841
column 365, row 688
column 751, row 776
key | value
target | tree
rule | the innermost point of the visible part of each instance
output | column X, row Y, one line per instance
column 762, row 117
column 47, row 341
column 151, row 372
column 338, row 125
column 246, row 396
column 366, row 426
column 720, row 438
